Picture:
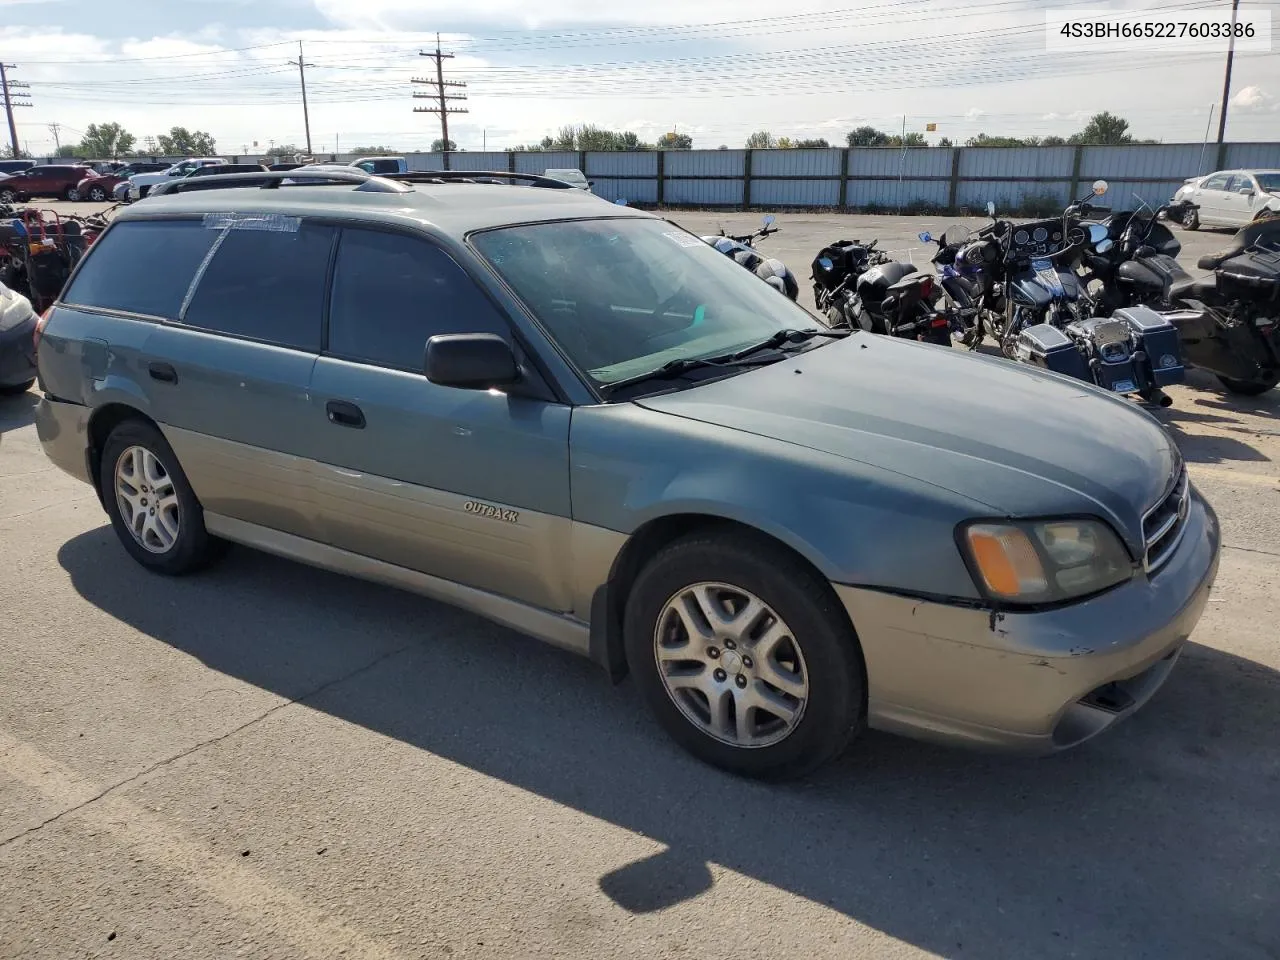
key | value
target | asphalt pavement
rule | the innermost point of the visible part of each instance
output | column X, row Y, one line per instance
column 266, row 760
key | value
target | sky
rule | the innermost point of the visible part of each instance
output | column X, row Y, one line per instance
column 716, row 69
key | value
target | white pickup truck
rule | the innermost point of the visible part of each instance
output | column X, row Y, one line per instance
column 140, row 184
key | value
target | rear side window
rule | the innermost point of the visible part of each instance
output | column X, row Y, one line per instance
column 266, row 284
column 392, row 292
column 142, row 266
column 1216, row 183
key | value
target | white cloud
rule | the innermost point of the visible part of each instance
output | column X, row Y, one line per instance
column 1254, row 100
column 974, row 113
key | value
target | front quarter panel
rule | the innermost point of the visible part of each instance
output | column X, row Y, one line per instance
column 857, row 524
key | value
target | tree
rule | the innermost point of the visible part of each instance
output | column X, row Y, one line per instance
column 180, row 141
column 982, row 140
column 1053, row 142
column 786, row 143
column 68, row 150
column 910, row 140
column 867, row 137
column 945, row 142
column 369, row 151
column 815, row 144
column 675, row 141
column 437, row 146
column 761, row 140
column 1104, row 127
column 106, row 140
column 288, row 150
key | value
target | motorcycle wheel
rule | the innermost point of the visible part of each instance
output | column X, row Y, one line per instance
column 1250, row 388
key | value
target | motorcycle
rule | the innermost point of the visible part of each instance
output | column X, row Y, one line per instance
column 858, row 287
column 742, row 250
column 972, row 297
column 1229, row 322
column 40, row 248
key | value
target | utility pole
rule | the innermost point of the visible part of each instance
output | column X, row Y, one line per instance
column 441, row 95
column 57, row 143
column 1226, row 83
column 10, row 101
column 302, row 65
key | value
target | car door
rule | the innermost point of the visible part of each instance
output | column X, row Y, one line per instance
column 1210, row 197
column 471, row 486
column 1237, row 199
column 37, row 182
column 228, row 377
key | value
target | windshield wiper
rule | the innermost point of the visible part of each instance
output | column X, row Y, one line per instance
column 677, row 368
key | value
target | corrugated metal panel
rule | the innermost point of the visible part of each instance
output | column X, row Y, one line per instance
column 704, row 163
column 424, row 161
column 1011, row 194
column 1016, row 162
column 897, row 194
column 1162, row 161
column 704, row 192
column 1129, row 196
column 795, row 163
column 633, row 191
column 1249, row 156
column 615, row 164
column 795, row 193
column 478, row 161
column 541, row 162
column 894, row 161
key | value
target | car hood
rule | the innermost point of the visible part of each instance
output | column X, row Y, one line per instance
column 1012, row 439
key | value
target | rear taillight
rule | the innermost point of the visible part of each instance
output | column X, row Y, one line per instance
column 39, row 330
column 939, row 321
column 926, row 286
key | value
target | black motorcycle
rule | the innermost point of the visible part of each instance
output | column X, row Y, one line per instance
column 1228, row 322
column 741, row 249
column 858, row 287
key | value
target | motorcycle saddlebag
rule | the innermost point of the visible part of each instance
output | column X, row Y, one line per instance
column 1044, row 345
column 1251, row 275
column 1157, row 340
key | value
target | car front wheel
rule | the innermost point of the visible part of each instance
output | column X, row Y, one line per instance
column 97, row 194
column 1191, row 219
column 745, row 655
column 71, row 193
column 152, row 507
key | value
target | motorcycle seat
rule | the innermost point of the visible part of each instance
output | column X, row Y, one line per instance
column 1245, row 238
column 1194, row 288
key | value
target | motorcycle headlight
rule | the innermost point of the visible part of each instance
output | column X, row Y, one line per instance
column 1044, row 561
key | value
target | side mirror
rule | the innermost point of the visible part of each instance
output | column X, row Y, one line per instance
column 925, row 237
column 471, row 361
column 1245, row 191
column 591, row 183
column 991, row 208
column 1100, row 187
column 768, row 219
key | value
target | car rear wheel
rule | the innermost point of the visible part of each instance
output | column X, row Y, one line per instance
column 152, row 507
column 744, row 655
column 97, row 194
column 71, row 193
column 8, row 196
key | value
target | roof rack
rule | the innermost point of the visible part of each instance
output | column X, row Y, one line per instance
column 272, row 179
column 479, row 176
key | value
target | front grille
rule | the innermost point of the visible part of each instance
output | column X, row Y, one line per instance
column 1164, row 524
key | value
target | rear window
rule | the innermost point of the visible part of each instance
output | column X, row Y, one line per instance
column 142, row 266
column 266, row 284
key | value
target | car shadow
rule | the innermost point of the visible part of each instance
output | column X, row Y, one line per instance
column 18, row 412
column 1156, row 840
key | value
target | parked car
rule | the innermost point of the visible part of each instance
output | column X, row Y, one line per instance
column 17, row 345
column 101, row 187
column 140, row 184
column 575, row 178
column 13, row 166
column 1229, row 198
column 583, row 422
column 47, row 180
column 381, row 164
column 169, row 185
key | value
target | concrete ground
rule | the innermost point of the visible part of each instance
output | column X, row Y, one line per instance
column 266, row 760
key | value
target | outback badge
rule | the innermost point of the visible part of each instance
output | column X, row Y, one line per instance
column 492, row 512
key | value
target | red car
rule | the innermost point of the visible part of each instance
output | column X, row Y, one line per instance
column 47, row 180
column 98, row 187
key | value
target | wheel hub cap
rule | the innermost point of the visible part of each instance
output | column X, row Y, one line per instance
column 731, row 665
column 148, row 500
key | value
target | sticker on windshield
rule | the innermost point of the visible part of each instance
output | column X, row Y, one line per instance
column 683, row 239
column 274, row 222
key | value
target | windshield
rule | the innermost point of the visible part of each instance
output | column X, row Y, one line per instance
column 1269, row 182
column 623, row 297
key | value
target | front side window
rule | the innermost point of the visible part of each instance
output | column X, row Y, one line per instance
column 1269, row 182
column 1218, row 182
column 142, row 266
column 392, row 292
column 266, row 281
column 623, row 297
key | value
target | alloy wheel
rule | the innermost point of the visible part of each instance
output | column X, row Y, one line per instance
column 731, row 665
column 148, row 499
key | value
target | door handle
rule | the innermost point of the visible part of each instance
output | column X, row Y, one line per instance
column 344, row 414
column 163, row 372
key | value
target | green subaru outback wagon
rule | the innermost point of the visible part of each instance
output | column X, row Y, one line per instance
column 580, row 421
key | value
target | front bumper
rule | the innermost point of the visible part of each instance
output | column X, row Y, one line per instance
column 18, row 353
column 1032, row 682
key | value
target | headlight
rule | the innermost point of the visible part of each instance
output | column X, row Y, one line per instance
column 1044, row 561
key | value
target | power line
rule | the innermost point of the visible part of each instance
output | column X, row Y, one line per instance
column 442, row 96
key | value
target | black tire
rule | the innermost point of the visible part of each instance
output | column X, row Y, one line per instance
column 8, row 196
column 193, row 548
column 1191, row 220
column 835, row 710
column 71, row 194
column 143, row 191
column 17, row 389
column 97, row 194
column 1266, row 215
column 1250, row 388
